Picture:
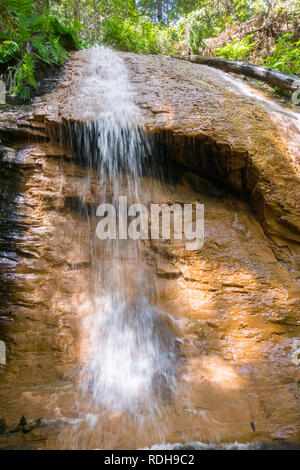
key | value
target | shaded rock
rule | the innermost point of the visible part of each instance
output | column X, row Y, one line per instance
column 167, row 270
column 19, row 426
column 2, row 424
column 15, row 428
column 23, row 421
column 31, row 425
column 25, row 426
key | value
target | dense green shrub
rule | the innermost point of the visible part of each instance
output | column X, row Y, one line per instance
column 200, row 25
column 171, row 38
column 24, row 78
column 140, row 34
column 237, row 50
column 29, row 39
column 8, row 50
column 137, row 34
column 286, row 56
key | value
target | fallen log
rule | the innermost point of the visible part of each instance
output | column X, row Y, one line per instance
column 272, row 77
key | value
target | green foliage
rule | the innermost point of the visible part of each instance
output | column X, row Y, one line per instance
column 136, row 35
column 25, row 78
column 286, row 56
column 8, row 50
column 49, row 51
column 200, row 25
column 171, row 38
column 67, row 32
column 242, row 10
column 31, row 37
column 37, row 32
column 140, row 34
column 21, row 7
column 237, row 50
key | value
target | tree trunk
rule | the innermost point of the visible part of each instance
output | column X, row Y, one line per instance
column 77, row 9
column 272, row 77
column 159, row 10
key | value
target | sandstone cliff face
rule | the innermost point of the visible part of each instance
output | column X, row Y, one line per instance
column 236, row 301
column 215, row 125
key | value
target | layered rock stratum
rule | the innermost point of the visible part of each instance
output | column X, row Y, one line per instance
column 236, row 301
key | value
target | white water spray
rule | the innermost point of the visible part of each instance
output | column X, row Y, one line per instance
column 129, row 349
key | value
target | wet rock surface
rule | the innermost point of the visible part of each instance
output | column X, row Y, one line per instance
column 214, row 124
column 236, row 301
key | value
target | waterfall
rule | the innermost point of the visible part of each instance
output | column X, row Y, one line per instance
column 145, row 344
column 128, row 346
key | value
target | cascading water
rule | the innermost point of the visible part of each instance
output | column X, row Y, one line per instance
column 129, row 350
column 128, row 346
column 92, row 351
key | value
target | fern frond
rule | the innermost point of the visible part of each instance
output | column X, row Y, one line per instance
column 25, row 79
column 67, row 32
column 41, row 48
column 58, row 52
column 38, row 23
column 49, row 51
column 21, row 7
column 8, row 50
